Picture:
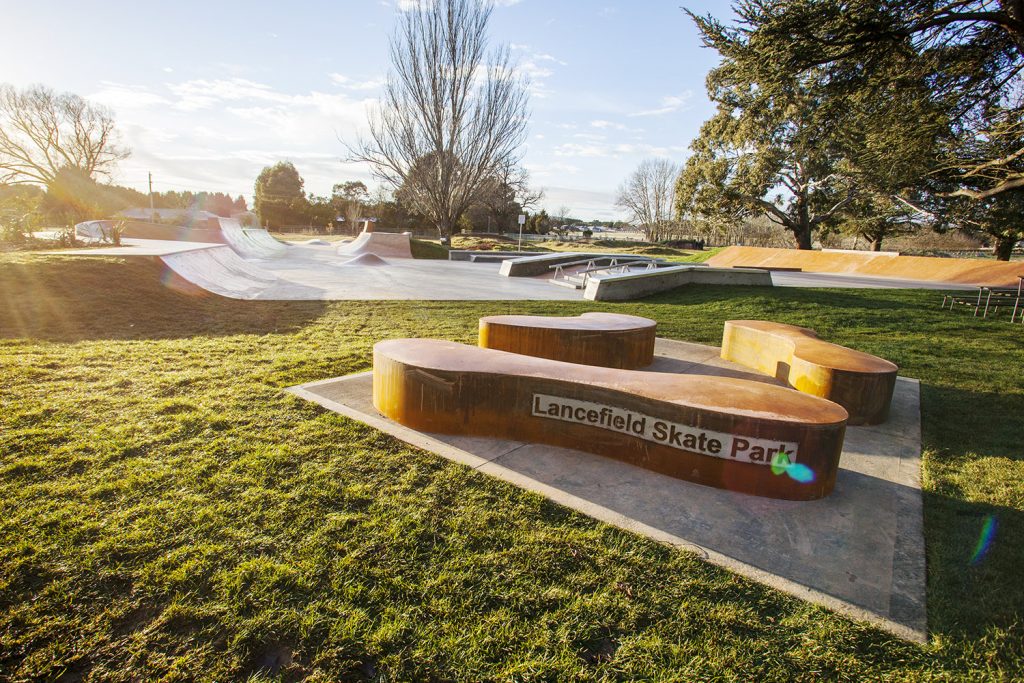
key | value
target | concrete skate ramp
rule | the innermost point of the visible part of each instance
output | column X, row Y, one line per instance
column 222, row 271
column 365, row 260
column 251, row 242
column 387, row 244
column 930, row 269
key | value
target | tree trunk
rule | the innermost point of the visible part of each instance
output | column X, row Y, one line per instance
column 802, row 225
column 802, row 234
column 1004, row 247
column 876, row 244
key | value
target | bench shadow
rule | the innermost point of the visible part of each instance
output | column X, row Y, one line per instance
column 66, row 299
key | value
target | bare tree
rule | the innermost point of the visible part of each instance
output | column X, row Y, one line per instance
column 42, row 132
column 453, row 115
column 648, row 194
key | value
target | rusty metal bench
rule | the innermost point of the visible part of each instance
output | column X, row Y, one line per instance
column 863, row 384
column 739, row 435
column 607, row 339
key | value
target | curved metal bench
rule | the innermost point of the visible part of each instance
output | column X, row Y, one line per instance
column 860, row 382
column 734, row 434
column 607, row 339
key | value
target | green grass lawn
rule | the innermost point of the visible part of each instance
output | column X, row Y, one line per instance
column 168, row 512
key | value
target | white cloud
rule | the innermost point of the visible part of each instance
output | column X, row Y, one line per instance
column 119, row 96
column 537, row 67
column 606, row 150
column 585, row 204
column 226, row 130
column 350, row 84
column 550, row 170
column 669, row 104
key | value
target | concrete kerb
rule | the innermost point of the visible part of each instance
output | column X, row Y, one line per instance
column 630, row 286
column 474, row 254
column 531, row 266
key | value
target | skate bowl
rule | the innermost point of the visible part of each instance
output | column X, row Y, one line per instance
column 610, row 340
column 385, row 244
column 979, row 272
column 733, row 434
column 863, row 384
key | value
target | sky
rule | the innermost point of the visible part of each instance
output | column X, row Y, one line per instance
column 208, row 93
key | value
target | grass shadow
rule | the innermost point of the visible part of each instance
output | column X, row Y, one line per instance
column 65, row 299
column 974, row 468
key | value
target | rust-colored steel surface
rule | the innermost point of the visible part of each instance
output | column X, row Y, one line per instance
column 609, row 340
column 860, row 382
column 966, row 271
column 734, row 434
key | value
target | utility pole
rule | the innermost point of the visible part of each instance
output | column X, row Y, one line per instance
column 152, row 211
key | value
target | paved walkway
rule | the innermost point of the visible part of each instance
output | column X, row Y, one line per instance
column 859, row 551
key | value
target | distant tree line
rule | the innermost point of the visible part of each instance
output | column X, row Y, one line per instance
column 218, row 203
column 281, row 201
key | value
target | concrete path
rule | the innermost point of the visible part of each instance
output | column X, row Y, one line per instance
column 860, row 551
column 136, row 247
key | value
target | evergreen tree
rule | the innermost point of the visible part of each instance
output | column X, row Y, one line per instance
column 280, row 198
column 968, row 54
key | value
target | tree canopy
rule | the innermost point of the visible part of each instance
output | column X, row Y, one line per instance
column 279, row 195
column 768, row 150
column 453, row 113
column 648, row 195
column 954, row 67
column 43, row 132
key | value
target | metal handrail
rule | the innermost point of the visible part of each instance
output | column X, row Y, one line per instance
column 614, row 263
column 594, row 259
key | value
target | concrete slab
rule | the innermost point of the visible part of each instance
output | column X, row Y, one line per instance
column 635, row 285
column 131, row 246
column 860, row 551
column 275, row 271
column 319, row 273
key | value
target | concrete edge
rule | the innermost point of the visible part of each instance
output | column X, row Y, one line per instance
column 425, row 442
column 631, row 286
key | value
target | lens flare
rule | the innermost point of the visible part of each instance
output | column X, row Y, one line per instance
column 796, row 471
column 988, row 532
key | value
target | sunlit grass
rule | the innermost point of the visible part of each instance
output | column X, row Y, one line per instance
column 166, row 510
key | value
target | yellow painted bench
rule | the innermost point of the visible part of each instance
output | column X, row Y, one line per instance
column 863, row 384
column 610, row 340
column 739, row 435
